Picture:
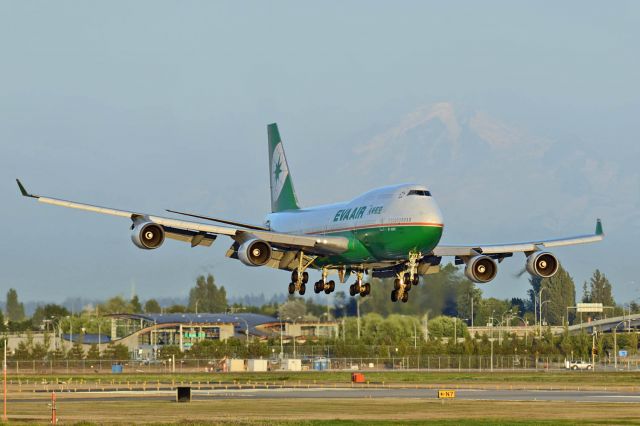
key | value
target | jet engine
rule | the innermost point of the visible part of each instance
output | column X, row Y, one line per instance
column 542, row 264
column 481, row 269
column 147, row 235
column 254, row 252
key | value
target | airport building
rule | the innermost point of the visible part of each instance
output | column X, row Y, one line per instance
column 145, row 334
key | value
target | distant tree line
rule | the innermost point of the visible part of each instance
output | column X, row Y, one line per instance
column 446, row 303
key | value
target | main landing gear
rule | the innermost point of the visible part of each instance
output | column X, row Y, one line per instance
column 324, row 285
column 300, row 277
column 405, row 280
column 363, row 289
column 298, row 282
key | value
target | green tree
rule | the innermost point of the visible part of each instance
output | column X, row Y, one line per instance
column 599, row 290
column 437, row 294
column 93, row 353
column 176, row 309
column 292, row 309
column 116, row 351
column 116, row 305
column 3, row 327
column 559, row 293
column 76, row 351
column 136, row 307
column 15, row 309
column 207, row 296
column 444, row 326
column 467, row 294
column 48, row 311
column 152, row 307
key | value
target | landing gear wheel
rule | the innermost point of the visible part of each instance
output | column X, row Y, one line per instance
column 363, row 290
column 405, row 297
column 305, row 277
column 327, row 291
column 294, row 276
column 416, row 280
column 394, row 295
column 332, row 286
column 397, row 284
column 292, row 288
column 352, row 290
column 317, row 287
column 303, row 289
column 367, row 289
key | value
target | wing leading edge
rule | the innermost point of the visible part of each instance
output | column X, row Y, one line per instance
column 523, row 247
column 184, row 230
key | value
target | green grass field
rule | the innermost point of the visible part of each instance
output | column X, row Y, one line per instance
column 327, row 412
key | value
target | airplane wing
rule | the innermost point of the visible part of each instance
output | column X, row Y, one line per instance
column 522, row 247
column 204, row 234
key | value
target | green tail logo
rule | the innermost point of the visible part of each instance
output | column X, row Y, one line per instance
column 283, row 196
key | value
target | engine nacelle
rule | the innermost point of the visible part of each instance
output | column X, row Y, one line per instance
column 542, row 264
column 254, row 252
column 147, row 235
column 481, row 269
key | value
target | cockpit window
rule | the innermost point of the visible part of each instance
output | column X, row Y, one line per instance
column 420, row 192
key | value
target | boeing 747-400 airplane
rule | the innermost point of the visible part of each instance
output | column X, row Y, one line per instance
column 392, row 231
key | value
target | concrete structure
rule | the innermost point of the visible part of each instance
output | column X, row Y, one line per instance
column 235, row 365
column 292, row 364
column 257, row 365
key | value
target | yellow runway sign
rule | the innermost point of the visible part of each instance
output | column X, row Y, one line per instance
column 446, row 394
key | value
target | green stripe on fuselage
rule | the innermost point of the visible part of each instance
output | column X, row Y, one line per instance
column 384, row 243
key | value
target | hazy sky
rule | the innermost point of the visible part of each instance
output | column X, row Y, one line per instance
column 154, row 105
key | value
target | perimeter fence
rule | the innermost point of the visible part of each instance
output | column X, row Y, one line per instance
column 476, row 363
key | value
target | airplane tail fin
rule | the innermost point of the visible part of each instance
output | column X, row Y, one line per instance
column 283, row 196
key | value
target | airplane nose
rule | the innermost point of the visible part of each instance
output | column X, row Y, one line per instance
column 435, row 215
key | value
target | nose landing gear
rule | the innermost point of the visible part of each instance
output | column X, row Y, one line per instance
column 406, row 279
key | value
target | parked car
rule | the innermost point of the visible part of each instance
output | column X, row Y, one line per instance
column 578, row 365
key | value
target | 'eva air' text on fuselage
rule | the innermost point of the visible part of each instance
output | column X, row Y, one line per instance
column 356, row 213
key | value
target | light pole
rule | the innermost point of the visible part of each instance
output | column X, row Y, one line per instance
column 70, row 329
column 246, row 329
column 281, row 331
column 294, row 337
column 471, row 309
column 540, row 309
column 526, row 326
column 455, row 330
column 359, row 300
column 491, row 339
column 540, row 322
column 500, row 326
column 615, row 344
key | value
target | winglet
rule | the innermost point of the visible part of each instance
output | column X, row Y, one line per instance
column 24, row 191
column 599, row 230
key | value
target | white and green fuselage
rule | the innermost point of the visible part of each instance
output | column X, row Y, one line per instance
column 382, row 225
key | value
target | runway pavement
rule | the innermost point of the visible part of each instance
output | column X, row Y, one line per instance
column 468, row 394
column 373, row 393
